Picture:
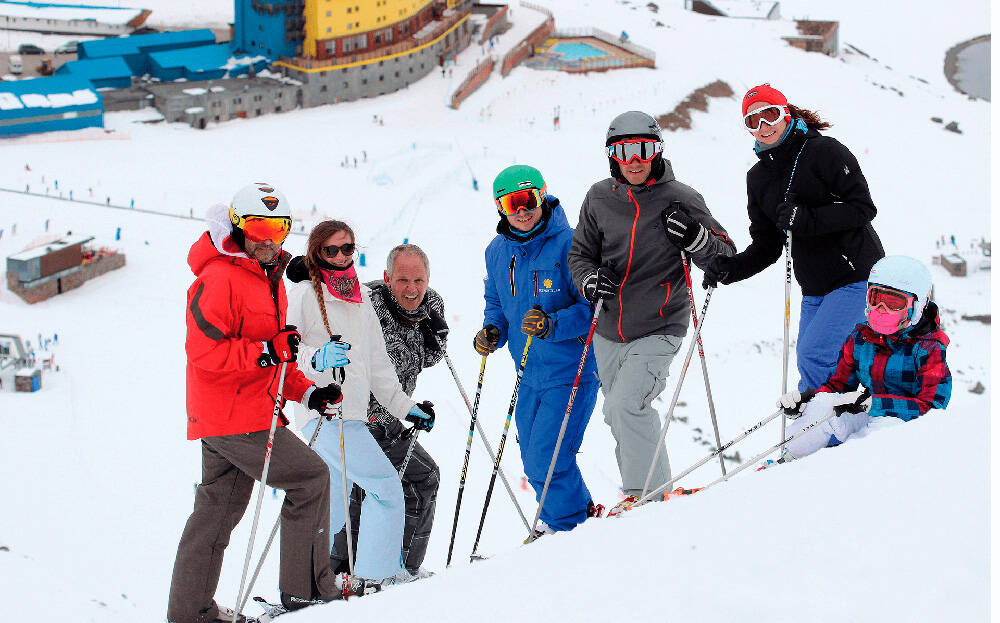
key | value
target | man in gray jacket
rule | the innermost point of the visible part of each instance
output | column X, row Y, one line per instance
column 626, row 252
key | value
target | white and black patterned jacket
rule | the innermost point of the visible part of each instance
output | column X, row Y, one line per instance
column 409, row 339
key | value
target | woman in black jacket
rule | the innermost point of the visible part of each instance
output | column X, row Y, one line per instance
column 810, row 186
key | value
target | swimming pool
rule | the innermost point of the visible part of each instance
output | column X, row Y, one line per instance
column 575, row 51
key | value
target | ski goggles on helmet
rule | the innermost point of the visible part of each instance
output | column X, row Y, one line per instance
column 626, row 151
column 261, row 228
column 770, row 115
column 889, row 299
column 529, row 199
column 346, row 249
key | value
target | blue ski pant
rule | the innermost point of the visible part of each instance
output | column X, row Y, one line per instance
column 824, row 324
column 538, row 416
column 380, row 535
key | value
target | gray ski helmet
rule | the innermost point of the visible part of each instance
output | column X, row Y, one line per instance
column 633, row 123
column 901, row 272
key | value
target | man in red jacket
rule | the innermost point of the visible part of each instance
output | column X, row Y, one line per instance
column 236, row 341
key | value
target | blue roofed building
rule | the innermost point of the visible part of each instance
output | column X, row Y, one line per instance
column 103, row 73
column 201, row 63
column 135, row 50
column 49, row 104
column 272, row 28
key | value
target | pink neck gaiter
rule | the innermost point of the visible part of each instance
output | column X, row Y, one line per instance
column 885, row 322
column 343, row 284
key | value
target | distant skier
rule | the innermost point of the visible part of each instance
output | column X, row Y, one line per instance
column 898, row 355
column 529, row 291
column 328, row 298
column 236, row 339
column 811, row 186
column 627, row 252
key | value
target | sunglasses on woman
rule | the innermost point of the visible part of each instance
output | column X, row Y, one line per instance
column 770, row 115
column 891, row 300
column 641, row 149
column 346, row 249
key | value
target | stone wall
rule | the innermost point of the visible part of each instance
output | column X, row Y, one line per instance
column 67, row 280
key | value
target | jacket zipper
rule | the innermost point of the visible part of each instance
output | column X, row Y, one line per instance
column 666, row 299
column 628, row 266
column 536, row 284
column 849, row 262
column 513, row 263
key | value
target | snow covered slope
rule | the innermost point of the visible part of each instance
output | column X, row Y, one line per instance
column 98, row 476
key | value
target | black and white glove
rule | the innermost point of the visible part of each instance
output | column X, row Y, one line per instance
column 793, row 402
column 793, row 216
column 434, row 328
column 682, row 230
column 422, row 415
column 326, row 400
column 603, row 283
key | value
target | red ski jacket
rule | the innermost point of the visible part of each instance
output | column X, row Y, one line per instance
column 233, row 306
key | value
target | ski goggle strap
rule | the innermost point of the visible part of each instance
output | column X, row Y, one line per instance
column 770, row 115
column 626, row 151
column 527, row 199
column 891, row 300
column 261, row 228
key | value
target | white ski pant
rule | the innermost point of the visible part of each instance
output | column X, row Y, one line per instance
column 832, row 432
column 380, row 536
column 632, row 375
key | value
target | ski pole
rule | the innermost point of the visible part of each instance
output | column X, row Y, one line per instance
column 263, row 480
column 704, row 363
column 788, row 290
column 347, row 501
column 468, row 451
column 565, row 421
column 666, row 486
column 274, row 532
column 503, row 440
column 677, row 391
column 486, row 442
column 409, row 451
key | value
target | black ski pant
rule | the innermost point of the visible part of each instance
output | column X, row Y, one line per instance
column 420, row 485
column 230, row 465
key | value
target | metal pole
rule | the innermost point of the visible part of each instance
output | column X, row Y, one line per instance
column 347, row 501
column 468, row 450
column 788, row 315
column 565, row 421
column 677, row 392
column 503, row 440
column 704, row 363
column 263, row 480
column 409, row 452
column 274, row 532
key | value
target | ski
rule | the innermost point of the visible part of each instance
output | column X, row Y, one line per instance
column 271, row 611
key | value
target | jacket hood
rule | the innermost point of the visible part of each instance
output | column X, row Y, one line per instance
column 553, row 220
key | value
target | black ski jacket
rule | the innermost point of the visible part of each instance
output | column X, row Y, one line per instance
column 841, row 246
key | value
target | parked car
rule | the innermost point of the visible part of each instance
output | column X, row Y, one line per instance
column 67, row 48
column 16, row 64
column 29, row 48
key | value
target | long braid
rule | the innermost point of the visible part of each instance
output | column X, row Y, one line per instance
column 317, row 284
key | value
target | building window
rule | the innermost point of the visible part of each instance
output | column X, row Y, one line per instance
column 328, row 29
column 348, row 10
column 381, row 78
column 322, row 88
column 350, row 26
column 331, row 47
column 328, row 13
column 345, row 85
column 365, row 81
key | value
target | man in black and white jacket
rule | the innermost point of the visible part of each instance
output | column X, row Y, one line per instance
column 412, row 319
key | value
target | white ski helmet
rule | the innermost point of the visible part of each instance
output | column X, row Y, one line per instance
column 901, row 272
column 258, row 199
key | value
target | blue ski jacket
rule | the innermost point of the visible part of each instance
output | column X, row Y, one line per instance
column 522, row 274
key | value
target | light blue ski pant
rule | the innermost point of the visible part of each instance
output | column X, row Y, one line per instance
column 824, row 324
column 380, row 537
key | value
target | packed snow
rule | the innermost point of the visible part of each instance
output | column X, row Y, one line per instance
column 891, row 526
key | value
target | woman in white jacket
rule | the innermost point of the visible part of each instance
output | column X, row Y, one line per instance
column 331, row 301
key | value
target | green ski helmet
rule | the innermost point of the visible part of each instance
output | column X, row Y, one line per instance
column 517, row 177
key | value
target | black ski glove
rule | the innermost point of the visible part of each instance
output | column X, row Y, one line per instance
column 326, row 400
column 858, row 406
column 486, row 340
column 536, row 323
column 681, row 230
column 422, row 415
column 603, row 283
column 434, row 328
column 793, row 216
column 717, row 271
column 296, row 270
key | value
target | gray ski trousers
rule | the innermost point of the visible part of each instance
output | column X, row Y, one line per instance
column 632, row 375
column 420, row 486
column 230, row 465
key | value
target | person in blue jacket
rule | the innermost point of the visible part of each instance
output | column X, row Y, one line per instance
column 529, row 291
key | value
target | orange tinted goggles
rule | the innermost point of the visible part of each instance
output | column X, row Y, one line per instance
column 261, row 228
column 528, row 199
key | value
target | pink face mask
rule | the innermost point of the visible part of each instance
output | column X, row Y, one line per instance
column 885, row 322
column 343, row 284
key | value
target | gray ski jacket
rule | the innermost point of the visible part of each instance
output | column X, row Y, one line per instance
column 620, row 227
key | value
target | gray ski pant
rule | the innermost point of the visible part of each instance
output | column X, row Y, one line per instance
column 230, row 465
column 420, row 486
column 632, row 375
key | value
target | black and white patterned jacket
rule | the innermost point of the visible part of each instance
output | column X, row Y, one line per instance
column 409, row 339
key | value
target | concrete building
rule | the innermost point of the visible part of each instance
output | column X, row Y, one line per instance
column 211, row 101
column 71, row 19
column 57, row 266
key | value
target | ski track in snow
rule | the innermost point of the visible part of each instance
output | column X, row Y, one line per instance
column 100, row 477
